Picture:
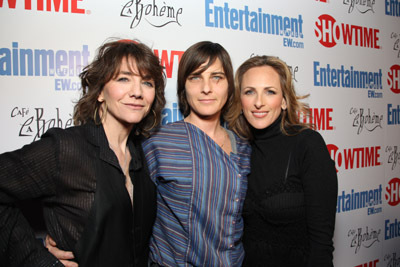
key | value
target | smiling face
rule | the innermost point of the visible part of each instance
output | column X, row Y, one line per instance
column 207, row 92
column 261, row 96
column 128, row 96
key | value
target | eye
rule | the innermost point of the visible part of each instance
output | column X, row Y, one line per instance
column 148, row 83
column 122, row 79
column 248, row 92
column 193, row 78
column 218, row 77
column 270, row 92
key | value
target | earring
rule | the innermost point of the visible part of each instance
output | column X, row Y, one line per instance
column 154, row 122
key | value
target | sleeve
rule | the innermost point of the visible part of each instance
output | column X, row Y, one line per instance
column 150, row 153
column 25, row 174
column 320, row 188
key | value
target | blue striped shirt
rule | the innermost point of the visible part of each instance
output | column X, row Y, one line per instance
column 201, row 190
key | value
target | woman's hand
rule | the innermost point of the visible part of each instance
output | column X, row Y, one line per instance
column 65, row 257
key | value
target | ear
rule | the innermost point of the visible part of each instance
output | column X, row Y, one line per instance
column 100, row 98
column 283, row 105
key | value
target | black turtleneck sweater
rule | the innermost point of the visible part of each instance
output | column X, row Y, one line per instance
column 290, row 207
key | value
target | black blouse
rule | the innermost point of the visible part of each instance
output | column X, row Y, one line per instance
column 290, row 207
column 87, row 208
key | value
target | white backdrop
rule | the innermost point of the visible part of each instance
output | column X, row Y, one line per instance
column 330, row 46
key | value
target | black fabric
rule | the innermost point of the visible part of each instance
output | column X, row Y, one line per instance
column 290, row 206
column 86, row 206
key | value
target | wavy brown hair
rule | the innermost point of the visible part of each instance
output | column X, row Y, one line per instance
column 289, row 116
column 192, row 59
column 106, row 66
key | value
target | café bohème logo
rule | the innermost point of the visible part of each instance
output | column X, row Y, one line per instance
column 363, row 238
column 362, row 6
column 157, row 14
column 364, row 118
column 393, row 155
column 330, row 32
column 34, row 122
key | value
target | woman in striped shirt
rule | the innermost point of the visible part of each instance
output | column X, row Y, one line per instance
column 199, row 168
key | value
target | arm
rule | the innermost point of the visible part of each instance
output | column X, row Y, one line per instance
column 26, row 173
column 320, row 189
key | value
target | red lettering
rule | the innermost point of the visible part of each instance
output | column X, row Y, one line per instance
column 369, row 37
column 368, row 264
column 347, row 34
column 319, row 118
column 377, row 155
column 328, row 119
column 75, row 9
column 369, row 156
column 393, row 192
column 49, row 3
column 394, row 79
column 11, row 3
column 57, row 4
column 348, row 158
column 358, row 35
column 168, row 62
column 376, row 38
column 40, row 5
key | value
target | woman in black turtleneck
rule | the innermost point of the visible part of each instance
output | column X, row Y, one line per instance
column 290, row 206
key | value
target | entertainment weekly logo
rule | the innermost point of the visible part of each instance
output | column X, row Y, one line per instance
column 157, row 14
column 34, row 122
column 63, row 65
column 392, row 194
column 361, row 6
column 65, row 6
column 364, row 118
column 355, row 158
column 330, row 33
column 363, row 238
column 394, row 79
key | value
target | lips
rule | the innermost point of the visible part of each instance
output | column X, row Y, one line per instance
column 206, row 101
column 134, row 106
column 259, row 114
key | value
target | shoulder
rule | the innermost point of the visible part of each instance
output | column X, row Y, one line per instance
column 243, row 146
column 167, row 135
column 311, row 137
column 67, row 139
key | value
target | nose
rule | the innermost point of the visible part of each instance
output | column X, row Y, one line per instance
column 259, row 103
column 206, row 87
column 135, row 89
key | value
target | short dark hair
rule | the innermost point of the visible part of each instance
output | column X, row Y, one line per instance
column 105, row 66
column 192, row 59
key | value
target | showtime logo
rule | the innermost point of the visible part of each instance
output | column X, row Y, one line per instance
column 393, row 192
column 393, row 79
column 168, row 59
column 67, row 6
column 369, row 264
column 329, row 33
column 355, row 158
column 321, row 118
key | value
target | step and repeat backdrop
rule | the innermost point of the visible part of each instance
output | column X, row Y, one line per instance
column 344, row 53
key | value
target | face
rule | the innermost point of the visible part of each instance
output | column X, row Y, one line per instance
column 207, row 92
column 128, row 95
column 261, row 96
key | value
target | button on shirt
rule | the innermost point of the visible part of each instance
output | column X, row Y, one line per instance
column 201, row 190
